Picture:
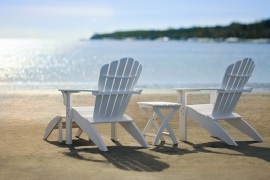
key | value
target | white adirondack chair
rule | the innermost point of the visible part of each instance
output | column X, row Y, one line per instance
column 115, row 87
column 222, row 103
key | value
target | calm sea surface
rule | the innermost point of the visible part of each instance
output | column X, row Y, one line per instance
column 46, row 64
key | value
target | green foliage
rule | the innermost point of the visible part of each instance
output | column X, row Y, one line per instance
column 242, row 31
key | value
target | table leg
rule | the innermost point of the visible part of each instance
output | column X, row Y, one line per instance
column 152, row 120
column 164, row 125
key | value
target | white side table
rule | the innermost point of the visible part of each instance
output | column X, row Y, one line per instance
column 156, row 106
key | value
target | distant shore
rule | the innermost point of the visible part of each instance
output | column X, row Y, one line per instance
column 257, row 32
column 194, row 39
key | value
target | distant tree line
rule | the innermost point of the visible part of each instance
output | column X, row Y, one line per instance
column 243, row 31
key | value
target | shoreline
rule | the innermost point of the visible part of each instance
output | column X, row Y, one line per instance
column 144, row 90
column 188, row 40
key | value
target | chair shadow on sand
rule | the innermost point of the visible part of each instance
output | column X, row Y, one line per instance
column 243, row 147
column 122, row 157
column 132, row 159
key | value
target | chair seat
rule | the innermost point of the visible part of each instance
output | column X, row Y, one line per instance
column 88, row 111
column 207, row 109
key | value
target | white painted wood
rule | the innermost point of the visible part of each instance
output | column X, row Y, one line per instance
column 151, row 121
column 112, row 111
column 79, row 132
column 211, row 126
column 116, row 84
column 67, row 99
column 58, row 123
column 243, row 126
column 60, row 131
column 213, row 96
column 195, row 89
column 51, row 126
column 133, row 69
column 156, row 106
column 135, row 132
column 165, row 124
column 182, row 99
column 114, row 131
column 115, row 87
column 68, row 118
column 222, row 104
column 122, row 101
column 90, row 130
column 117, row 92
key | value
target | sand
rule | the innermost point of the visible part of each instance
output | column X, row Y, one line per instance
column 25, row 155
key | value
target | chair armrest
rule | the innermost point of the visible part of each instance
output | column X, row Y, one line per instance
column 183, row 92
column 68, row 99
column 77, row 90
column 117, row 92
column 246, row 89
column 67, row 94
column 196, row 89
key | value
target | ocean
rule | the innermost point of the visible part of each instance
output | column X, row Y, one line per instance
column 28, row 64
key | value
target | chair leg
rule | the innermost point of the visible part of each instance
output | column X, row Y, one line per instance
column 213, row 135
column 182, row 124
column 60, row 127
column 244, row 127
column 214, row 128
column 114, row 131
column 79, row 132
column 134, row 131
column 91, row 131
column 51, row 126
column 220, row 133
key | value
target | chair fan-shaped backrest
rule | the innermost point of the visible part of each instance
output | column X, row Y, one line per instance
column 235, row 79
column 118, row 76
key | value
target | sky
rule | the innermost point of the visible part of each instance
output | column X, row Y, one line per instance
column 80, row 19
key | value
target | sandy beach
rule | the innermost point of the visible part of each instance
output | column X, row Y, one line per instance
column 25, row 155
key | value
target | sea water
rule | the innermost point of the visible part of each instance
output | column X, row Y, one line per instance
column 50, row 64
